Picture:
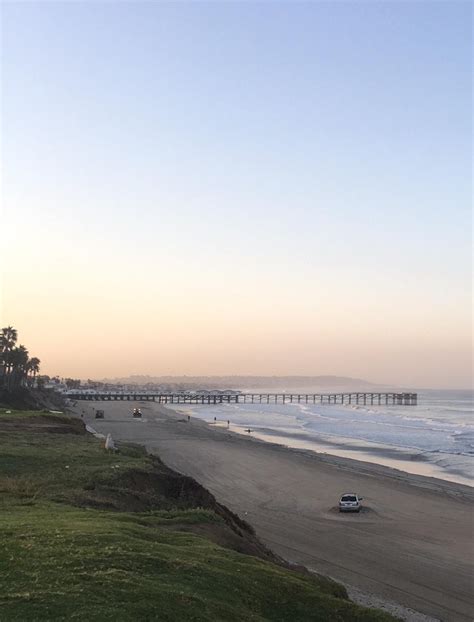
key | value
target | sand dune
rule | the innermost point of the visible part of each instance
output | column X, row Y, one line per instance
column 412, row 544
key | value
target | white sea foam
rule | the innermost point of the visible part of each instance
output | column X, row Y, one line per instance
column 438, row 432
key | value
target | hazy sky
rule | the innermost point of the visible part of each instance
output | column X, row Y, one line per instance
column 251, row 188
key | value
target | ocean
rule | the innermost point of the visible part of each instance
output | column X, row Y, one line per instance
column 434, row 438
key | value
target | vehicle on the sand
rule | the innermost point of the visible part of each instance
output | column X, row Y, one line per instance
column 137, row 413
column 99, row 414
column 350, row 502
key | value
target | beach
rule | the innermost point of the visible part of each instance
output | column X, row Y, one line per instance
column 434, row 438
column 411, row 545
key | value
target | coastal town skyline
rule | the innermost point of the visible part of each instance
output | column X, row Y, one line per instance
column 239, row 189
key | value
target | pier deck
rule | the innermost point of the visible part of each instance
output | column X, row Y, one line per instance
column 384, row 398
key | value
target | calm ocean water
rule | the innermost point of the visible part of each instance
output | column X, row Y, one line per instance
column 434, row 438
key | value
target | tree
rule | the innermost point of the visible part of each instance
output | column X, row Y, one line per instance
column 8, row 339
column 72, row 383
column 15, row 363
column 33, row 367
column 18, row 359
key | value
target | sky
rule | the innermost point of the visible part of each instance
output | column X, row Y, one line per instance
column 239, row 188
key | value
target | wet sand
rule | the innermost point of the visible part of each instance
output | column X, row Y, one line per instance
column 412, row 544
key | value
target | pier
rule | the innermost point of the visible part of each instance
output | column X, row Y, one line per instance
column 366, row 399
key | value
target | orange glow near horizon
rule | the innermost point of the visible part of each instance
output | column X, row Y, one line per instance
column 93, row 326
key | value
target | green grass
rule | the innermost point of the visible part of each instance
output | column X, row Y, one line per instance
column 61, row 558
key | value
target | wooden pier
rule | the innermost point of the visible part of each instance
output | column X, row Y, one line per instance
column 367, row 399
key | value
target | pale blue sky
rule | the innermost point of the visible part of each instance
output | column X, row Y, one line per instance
column 324, row 145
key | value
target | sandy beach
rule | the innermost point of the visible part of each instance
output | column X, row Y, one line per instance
column 412, row 544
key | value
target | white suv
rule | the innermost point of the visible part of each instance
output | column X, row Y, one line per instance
column 350, row 502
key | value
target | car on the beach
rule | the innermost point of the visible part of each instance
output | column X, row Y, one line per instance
column 350, row 502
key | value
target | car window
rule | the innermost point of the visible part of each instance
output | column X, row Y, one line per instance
column 348, row 498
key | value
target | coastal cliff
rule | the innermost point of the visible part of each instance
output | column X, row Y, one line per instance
column 99, row 534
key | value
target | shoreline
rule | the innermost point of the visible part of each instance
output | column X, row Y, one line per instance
column 397, row 459
column 410, row 546
column 410, row 461
column 340, row 461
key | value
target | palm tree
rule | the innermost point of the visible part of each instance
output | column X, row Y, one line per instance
column 15, row 363
column 33, row 367
column 18, row 361
column 4, row 366
column 8, row 339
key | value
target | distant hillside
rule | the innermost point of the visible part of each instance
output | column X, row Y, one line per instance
column 249, row 382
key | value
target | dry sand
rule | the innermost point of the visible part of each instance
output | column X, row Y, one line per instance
column 412, row 545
